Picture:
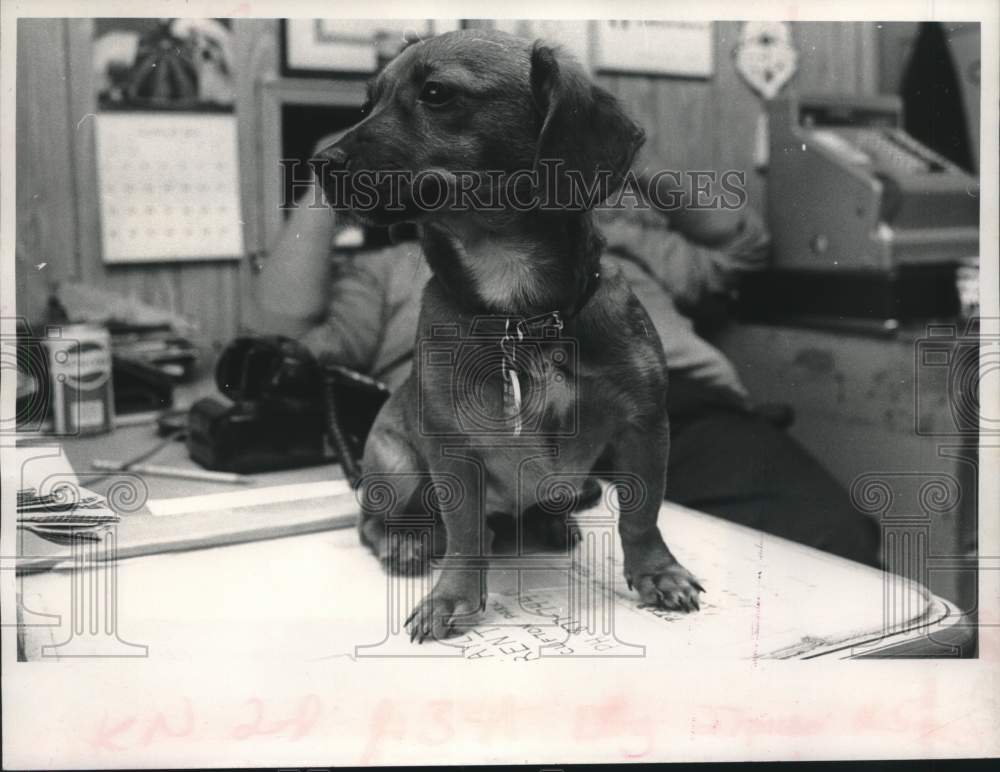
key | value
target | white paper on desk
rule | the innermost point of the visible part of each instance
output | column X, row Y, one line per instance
column 323, row 596
column 248, row 497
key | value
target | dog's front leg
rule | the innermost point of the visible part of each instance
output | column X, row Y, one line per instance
column 460, row 591
column 650, row 567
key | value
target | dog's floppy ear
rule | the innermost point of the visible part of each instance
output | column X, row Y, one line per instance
column 584, row 127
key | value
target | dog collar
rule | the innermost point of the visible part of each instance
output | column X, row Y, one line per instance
column 593, row 282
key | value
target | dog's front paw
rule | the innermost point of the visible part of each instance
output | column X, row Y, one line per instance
column 439, row 615
column 665, row 583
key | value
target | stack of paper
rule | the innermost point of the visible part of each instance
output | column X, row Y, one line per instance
column 64, row 512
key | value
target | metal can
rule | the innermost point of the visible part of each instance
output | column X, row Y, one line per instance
column 79, row 364
column 967, row 283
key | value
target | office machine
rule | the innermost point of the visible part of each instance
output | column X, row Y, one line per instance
column 849, row 189
column 870, row 229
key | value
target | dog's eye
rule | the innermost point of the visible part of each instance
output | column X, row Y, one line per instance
column 435, row 93
column 366, row 108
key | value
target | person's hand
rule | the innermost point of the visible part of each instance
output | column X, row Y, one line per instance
column 709, row 225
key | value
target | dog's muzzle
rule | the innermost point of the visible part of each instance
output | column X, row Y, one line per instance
column 330, row 160
column 332, row 167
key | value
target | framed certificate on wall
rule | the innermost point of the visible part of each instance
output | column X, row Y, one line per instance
column 325, row 47
column 655, row 47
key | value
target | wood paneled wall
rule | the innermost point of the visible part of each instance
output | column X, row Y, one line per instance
column 58, row 214
column 46, row 248
column 690, row 124
column 711, row 124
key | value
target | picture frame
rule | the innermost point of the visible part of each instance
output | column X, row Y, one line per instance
column 680, row 49
column 175, row 64
column 321, row 48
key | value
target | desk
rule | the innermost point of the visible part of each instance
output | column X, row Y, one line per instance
column 318, row 595
column 876, row 410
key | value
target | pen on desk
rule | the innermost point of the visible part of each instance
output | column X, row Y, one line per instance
column 171, row 471
column 136, row 419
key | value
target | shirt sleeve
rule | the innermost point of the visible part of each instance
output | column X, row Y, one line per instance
column 686, row 270
column 351, row 333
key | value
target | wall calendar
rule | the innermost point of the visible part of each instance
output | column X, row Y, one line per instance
column 169, row 186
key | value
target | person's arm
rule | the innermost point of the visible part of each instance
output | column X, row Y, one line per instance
column 692, row 253
column 293, row 289
column 352, row 330
column 336, row 307
column 714, row 226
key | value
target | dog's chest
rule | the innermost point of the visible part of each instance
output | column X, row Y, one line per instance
column 499, row 386
column 500, row 273
column 531, row 419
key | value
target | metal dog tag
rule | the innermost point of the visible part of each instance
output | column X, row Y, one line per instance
column 512, row 398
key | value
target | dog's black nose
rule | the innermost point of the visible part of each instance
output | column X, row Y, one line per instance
column 332, row 159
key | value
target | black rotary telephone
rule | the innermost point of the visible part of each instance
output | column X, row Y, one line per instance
column 284, row 410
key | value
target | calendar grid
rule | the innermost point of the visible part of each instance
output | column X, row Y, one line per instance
column 169, row 187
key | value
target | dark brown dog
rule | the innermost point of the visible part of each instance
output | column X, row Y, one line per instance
column 530, row 364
